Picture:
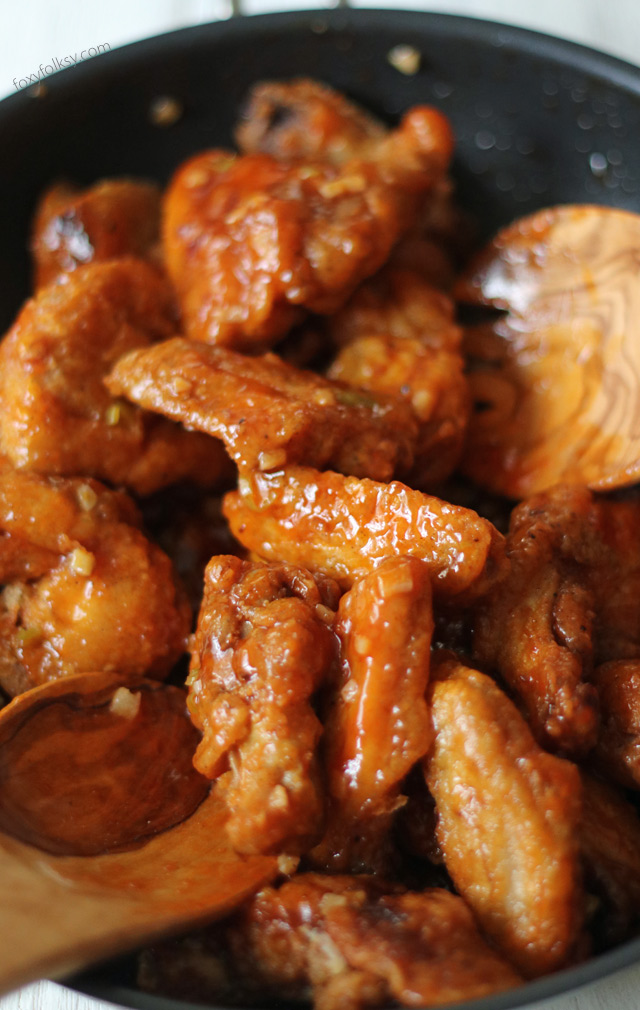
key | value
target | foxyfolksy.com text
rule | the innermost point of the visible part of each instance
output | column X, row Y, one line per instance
column 50, row 68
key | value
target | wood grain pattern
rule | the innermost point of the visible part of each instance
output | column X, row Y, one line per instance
column 556, row 381
column 63, row 904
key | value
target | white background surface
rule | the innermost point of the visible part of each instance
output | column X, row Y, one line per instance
column 33, row 32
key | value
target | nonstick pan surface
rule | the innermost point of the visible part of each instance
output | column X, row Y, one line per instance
column 538, row 121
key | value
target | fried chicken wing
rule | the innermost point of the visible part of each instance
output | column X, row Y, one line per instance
column 508, row 817
column 618, row 749
column 346, row 942
column 113, row 218
column 536, row 629
column 571, row 597
column 397, row 302
column 263, row 646
column 94, row 593
column 252, row 243
column 425, row 946
column 57, row 415
column 400, row 340
column 267, row 412
column 610, row 549
column 377, row 726
column 304, row 119
column 345, row 527
column 610, row 843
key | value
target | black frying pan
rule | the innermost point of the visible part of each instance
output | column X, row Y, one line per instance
column 538, row 121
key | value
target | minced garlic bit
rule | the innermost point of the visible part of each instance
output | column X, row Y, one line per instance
column 112, row 414
column 272, row 460
column 406, row 59
column 330, row 901
column 125, row 703
column 341, row 186
column 28, row 636
column 165, row 110
column 12, row 598
column 279, row 798
column 82, row 561
column 87, row 497
column 181, row 385
column 355, row 398
column 324, row 397
column 324, row 614
column 287, row 865
column 421, row 400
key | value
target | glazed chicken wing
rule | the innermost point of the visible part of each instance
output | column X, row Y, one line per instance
column 93, row 593
column 305, row 119
column 267, row 412
column 508, row 818
column 399, row 339
column 610, row 843
column 253, row 243
column 345, row 942
column 58, row 417
column 536, row 629
column 571, row 597
column 397, row 302
column 610, row 549
column 262, row 648
column 113, row 218
column 618, row 748
column 377, row 725
column 345, row 527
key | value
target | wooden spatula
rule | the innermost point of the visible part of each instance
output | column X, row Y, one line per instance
column 556, row 379
column 84, row 764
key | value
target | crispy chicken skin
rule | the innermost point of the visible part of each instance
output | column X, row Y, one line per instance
column 397, row 302
column 618, row 749
column 346, row 942
column 610, row 549
column 302, row 119
column 610, row 844
column 377, row 725
column 263, row 646
column 536, row 629
column 508, row 819
column 93, row 592
column 345, row 527
column 58, row 417
column 267, row 412
column 571, row 597
column 399, row 338
column 113, row 218
column 252, row 243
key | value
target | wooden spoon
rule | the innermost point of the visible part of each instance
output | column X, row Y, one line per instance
column 556, row 381
column 84, row 765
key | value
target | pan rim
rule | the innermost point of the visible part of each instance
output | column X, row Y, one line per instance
column 612, row 70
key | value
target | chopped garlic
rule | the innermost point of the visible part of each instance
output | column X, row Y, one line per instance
column 406, row 59
column 125, row 703
column 82, row 561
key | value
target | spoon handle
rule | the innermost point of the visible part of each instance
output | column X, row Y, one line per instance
column 61, row 913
